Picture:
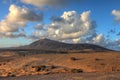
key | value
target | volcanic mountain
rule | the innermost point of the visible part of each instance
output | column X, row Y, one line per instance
column 47, row 44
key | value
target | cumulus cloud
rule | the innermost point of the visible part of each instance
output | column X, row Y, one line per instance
column 99, row 39
column 39, row 32
column 12, row 35
column 36, row 35
column 51, row 3
column 39, row 26
column 110, row 44
column 114, row 44
column 17, row 19
column 71, row 25
column 20, row 33
column 116, row 13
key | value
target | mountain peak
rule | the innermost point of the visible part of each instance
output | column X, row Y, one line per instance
column 47, row 44
column 45, row 39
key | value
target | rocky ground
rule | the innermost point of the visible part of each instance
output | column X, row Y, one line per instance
column 69, row 76
column 50, row 66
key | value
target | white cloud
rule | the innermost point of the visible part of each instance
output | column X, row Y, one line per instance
column 72, row 26
column 99, row 39
column 76, row 40
column 20, row 33
column 39, row 32
column 116, row 13
column 50, row 3
column 17, row 19
column 69, row 27
column 12, row 35
column 39, row 26
column 114, row 44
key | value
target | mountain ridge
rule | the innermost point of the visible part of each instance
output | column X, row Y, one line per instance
column 47, row 44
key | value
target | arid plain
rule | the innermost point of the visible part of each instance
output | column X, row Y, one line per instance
column 80, row 65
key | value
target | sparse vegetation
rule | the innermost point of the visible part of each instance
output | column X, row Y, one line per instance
column 76, row 70
column 73, row 58
column 98, row 59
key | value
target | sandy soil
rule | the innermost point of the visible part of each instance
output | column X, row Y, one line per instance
column 52, row 65
column 69, row 76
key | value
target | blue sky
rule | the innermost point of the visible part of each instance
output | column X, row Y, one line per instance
column 100, row 12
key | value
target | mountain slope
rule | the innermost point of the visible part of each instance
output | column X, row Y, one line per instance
column 47, row 44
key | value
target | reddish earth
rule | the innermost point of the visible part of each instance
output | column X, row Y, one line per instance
column 96, row 63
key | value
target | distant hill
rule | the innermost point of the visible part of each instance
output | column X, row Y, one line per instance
column 47, row 44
